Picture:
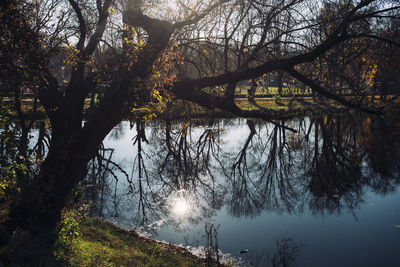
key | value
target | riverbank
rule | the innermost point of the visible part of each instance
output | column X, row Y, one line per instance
column 101, row 243
column 280, row 107
column 84, row 241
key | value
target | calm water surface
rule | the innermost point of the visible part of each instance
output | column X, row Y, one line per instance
column 308, row 192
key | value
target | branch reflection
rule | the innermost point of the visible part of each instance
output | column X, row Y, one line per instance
column 187, row 170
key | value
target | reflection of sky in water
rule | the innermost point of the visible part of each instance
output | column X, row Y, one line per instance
column 365, row 235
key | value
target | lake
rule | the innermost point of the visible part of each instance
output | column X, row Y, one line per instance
column 314, row 191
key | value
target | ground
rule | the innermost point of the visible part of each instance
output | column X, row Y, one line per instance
column 85, row 241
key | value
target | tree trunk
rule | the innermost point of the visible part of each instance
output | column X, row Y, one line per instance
column 49, row 192
column 35, row 215
column 280, row 83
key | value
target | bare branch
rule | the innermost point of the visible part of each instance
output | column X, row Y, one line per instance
column 194, row 18
column 82, row 25
column 101, row 26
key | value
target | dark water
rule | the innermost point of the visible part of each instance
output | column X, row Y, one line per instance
column 306, row 192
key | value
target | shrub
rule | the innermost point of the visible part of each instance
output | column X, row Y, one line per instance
column 278, row 100
column 68, row 235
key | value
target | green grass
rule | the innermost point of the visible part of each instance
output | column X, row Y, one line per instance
column 102, row 244
column 270, row 103
column 272, row 90
column 94, row 242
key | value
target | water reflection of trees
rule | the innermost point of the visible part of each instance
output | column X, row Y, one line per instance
column 340, row 171
column 326, row 165
column 335, row 170
column 183, row 163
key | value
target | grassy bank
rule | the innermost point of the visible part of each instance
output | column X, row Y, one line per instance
column 102, row 244
column 84, row 241
column 281, row 106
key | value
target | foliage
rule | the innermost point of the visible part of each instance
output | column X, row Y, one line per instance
column 278, row 100
column 10, row 160
column 163, row 77
column 68, row 236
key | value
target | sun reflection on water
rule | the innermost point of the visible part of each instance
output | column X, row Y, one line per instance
column 180, row 207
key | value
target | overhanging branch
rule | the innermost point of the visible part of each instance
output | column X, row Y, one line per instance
column 314, row 86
